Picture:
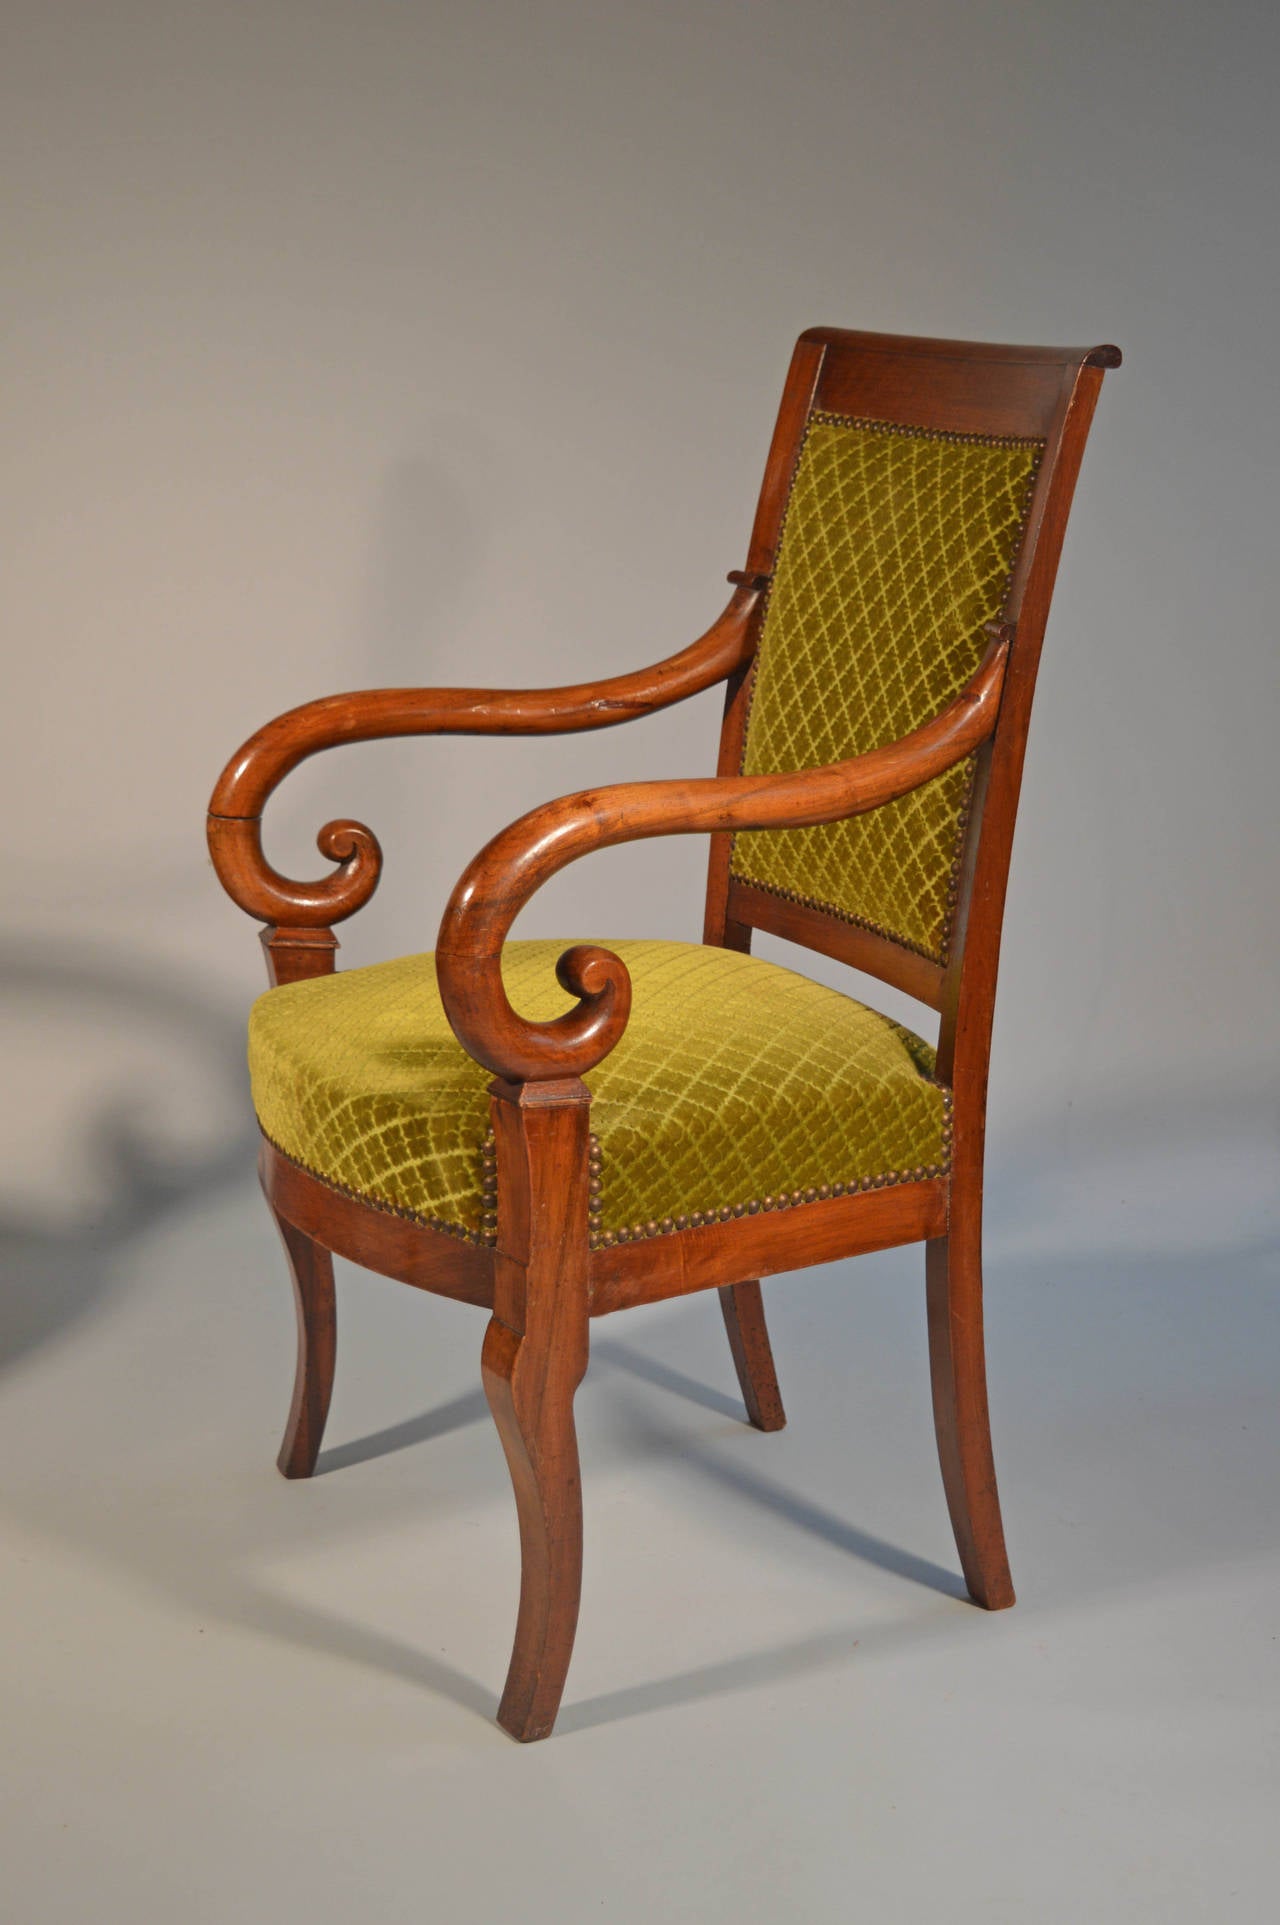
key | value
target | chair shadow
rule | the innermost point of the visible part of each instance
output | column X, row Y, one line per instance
column 309, row 1628
column 210, row 1570
column 639, row 1364
column 729, row 1676
column 460, row 1411
column 56, row 1272
column 818, row 1651
column 303, row 1627
column 741, row 1479
column 206, row 1568
column 747, row 1483
column 471, row 1407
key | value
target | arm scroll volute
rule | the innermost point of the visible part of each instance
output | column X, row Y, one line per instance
column 235, row 845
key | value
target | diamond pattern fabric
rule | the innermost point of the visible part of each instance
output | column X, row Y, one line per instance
column 736, row 1085
column 896, row 547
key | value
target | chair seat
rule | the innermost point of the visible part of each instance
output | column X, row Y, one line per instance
column 737, row 1086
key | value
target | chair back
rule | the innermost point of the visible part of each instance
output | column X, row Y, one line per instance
column 916, row 491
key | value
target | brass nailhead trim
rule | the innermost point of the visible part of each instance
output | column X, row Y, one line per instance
column 598, row 1238
column 489, row 1188
column 489, row 1191
column 839, row 915
column 788, row 1199
column 380, row 1204
column 826, row 419
column 595, row 1188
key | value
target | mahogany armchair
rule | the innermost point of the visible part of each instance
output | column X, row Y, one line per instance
column 665, row 1117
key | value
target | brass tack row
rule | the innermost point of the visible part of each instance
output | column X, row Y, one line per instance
column 822, row 418
column 489, row 1190
column 486, row 1236
column 785, row 1199
column 840, row 915
column 381, row 1204
column 595, row 1187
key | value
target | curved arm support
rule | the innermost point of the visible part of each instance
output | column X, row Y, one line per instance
column 235, row 808
column 506, row 873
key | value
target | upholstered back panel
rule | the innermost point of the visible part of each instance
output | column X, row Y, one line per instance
column 897, row 544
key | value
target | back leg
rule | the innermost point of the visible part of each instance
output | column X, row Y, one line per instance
column 953, row 1269
column 311, row 1268
column 743, row 1309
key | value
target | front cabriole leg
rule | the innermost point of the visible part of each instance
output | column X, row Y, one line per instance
column 534, row 1357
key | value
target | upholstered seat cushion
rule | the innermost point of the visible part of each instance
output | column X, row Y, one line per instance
column 737, row 1085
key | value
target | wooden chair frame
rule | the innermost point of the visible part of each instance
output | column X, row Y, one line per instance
column 542, row 1281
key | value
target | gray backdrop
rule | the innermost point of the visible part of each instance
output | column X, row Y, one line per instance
column 364, row 344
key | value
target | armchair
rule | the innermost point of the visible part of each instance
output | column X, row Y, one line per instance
column 663, row 1118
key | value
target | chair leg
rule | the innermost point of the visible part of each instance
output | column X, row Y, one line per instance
column 743, row 1308
column 534, row 1357
column 953, row 1266
column 535, row 1423
column 311, row 1268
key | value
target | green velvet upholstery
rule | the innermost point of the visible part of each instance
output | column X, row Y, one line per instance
column 897, row 545
column 737, row 1085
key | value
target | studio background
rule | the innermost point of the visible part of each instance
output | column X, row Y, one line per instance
column 361, row 345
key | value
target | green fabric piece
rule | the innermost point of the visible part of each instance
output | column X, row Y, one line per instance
column 896, row 547
column 735, row 1081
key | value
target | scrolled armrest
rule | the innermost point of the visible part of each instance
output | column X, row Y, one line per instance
column 501, row 879
column 235, row 808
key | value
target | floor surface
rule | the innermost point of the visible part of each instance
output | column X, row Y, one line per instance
column 232, row 1698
